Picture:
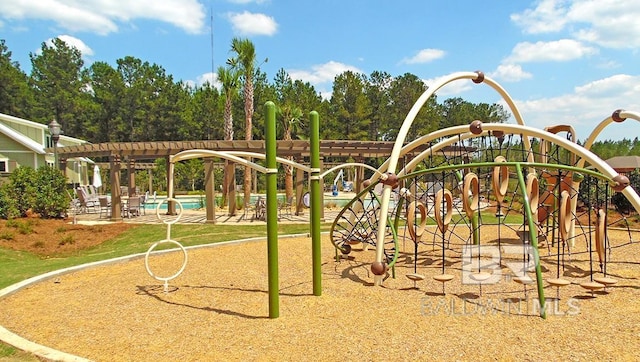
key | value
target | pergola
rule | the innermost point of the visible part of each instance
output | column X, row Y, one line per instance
column 137, row 155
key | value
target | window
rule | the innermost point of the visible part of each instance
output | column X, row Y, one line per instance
column 4, row 166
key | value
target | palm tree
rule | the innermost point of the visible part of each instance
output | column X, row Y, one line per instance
column 244, row 61
column 291, row 118
column 229, row 78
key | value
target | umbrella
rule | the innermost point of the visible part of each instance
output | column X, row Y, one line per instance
column 97, row 178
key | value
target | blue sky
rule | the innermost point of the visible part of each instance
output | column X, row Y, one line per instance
column 562, row 61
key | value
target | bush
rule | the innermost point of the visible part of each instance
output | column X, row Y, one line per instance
column 42, row 191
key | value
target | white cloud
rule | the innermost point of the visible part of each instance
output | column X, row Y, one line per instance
column 587, row 106
column 607, row 23
column 247, row 23
column 211, row 78
column 560, row 51
column 73, row 42
column 424, row 56
column 510, row 73
column 322, row 73
column 103, row 16
column 548, row 16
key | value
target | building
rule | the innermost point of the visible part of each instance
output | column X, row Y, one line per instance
column 24, row 143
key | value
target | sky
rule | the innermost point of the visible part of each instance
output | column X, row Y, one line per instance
column 568, row 62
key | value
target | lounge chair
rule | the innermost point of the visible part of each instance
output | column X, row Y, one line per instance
column 87, row 204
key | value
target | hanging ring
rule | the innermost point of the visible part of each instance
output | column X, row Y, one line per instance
column 470, row 194
column 500, row 179
column 565, row 215
column 416, row 231
column 533, row 193
column 443, row 201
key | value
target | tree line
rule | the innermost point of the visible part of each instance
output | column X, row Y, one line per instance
column 139, row 101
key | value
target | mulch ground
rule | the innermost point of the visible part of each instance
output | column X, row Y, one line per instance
column 218, row 307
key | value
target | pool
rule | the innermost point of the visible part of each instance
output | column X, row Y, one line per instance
column 198, row 202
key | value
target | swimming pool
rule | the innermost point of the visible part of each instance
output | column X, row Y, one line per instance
column 198, row 202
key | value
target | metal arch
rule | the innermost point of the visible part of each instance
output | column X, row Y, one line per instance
column 345, row 165
column 406, row 125
column 607, row 121
column 189, row 154
column 278, row 159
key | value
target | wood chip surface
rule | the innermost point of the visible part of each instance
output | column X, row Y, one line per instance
column 218, row 308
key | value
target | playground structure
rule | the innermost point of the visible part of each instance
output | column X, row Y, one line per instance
column 532, row 176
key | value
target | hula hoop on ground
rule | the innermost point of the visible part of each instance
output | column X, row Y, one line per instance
column 416, row 231
column 500, row 179
column 470, row 194
column 165, row 279
column 443, row 221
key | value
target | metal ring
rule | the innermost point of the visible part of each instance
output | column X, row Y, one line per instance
column 533, row 192
column 470, row 194
column 500, row 179
column 443, row 222
column 565, row 215
column 177, row 217
column 416, row 231
column 184, row 262
column 600, row 235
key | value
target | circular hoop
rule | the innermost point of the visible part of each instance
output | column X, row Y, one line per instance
column 565, row 215
column 500, row 179
column 443, row 222
column 306, row 199
column 533, row 192
column 155, row 245
column 470, row 194
column 167, row 201
column 600, row 235
column 416, row 231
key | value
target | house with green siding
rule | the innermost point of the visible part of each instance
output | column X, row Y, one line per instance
column 25, row 143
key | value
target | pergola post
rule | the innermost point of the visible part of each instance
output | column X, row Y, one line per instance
column 131, row 172
column 210, row 190
column 114, row 176
column 171, row 205
column 230, row 172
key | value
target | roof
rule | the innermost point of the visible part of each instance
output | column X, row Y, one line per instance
column 22, row 139
column 624, row 163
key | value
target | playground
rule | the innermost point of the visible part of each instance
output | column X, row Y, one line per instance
column 498, row 241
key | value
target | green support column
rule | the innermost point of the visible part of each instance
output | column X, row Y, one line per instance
column 316, row 203
column 533, row 237
column 272, row 209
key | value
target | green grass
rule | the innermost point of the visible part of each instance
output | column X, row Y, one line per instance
column 16, row 266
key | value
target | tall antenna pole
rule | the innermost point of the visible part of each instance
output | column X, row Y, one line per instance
column 209, row 135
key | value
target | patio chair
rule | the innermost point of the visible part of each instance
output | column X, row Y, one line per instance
column 105, row 205
column 87, row 204
column 143, row 202
column 132, row 207
column 260, row 209
column 285, row 206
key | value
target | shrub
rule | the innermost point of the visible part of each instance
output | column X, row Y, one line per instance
column 41, row 191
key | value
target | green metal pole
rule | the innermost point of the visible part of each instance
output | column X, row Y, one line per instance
column 272, row 209
column 533, row 236
column 316, row 203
